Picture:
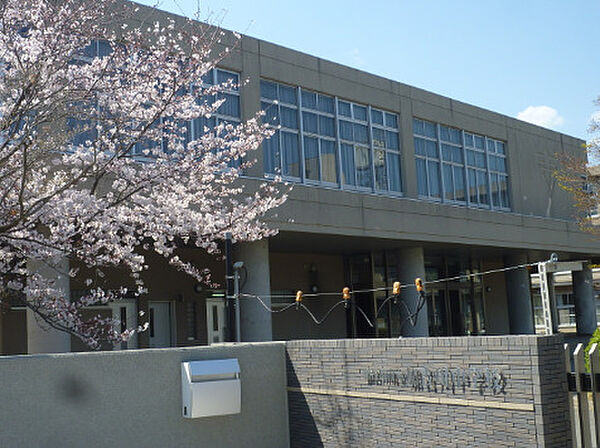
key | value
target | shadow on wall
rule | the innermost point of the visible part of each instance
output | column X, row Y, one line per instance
column 301, row 420
column 341, row 425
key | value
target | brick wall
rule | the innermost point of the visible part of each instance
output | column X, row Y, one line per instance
column 463, row 391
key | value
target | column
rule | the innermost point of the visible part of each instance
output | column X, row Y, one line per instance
column 585, row 305
column 41, row 338
column 518, row 296
column 250, row 91
column 256, row 322
column 411, row 265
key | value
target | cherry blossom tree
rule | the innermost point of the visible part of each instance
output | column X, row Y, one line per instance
column 581, row 177
column 97, row 164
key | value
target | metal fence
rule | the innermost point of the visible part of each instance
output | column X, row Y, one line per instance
column 584, row 395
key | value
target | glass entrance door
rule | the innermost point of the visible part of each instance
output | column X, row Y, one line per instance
column 455, row 308
column 361, row 278
column 437, row 312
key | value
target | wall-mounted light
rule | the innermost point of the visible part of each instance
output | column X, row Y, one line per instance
column 198, row 288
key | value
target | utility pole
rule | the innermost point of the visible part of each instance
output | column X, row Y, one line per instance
column 236, row 292
column 229, row 306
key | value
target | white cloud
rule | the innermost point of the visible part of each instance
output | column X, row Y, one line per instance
column 356, row 55
column 545, row 116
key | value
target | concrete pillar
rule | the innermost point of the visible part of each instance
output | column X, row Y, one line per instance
column 40, row 337
column 411, row 265
column 585, row 305
column 256, row 322
column 518, row 296
column 251, row 97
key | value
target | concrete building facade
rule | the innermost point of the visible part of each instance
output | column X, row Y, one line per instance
column 390, row 182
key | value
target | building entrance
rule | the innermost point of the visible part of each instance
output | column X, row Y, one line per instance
column 455, row 307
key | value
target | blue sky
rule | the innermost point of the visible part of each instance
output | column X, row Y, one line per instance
column 533, row 59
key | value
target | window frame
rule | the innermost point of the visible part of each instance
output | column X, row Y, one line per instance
column 337, row 140
column 489, row 172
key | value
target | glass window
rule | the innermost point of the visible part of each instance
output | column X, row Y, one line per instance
column 378, row 138
column 291, row 154
column 422, row 177
column 479, row 142
column 429, row 129
column 346, row 130
column 309, row 100
column 104, row 48
column 504, row 191
column 326, row 126
column 268, row 90
column 310, row 122
column 231, row 106
column 448, row 182
column 418, row 127
column 360, row 112
column 473, row 186
column 287, row 94
column 326, row 104
column 381, row 182
column 433, row 177
column 459, row 183
column 311, row 158
column 271, row 154
column 431, row 149
column 376, row 116
column 494, row 186
column 344, row 109
column 468, row 140
column 363, row 167
column 480, row 160
column 271, row 113
column 223, row 77
column 361, row 133
column 391, row 140
column 369, row 155
column 348, row 164
column 328, row 160
column 208, row 78
column 203, row 125
column 289, row 117
column 483, row 172
column 471, row 157
column 393, row 161
column 450, row 135
column 391, row 120
column 482, row 187
column 420, row 146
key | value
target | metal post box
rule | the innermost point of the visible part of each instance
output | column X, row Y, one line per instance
column 210, row 388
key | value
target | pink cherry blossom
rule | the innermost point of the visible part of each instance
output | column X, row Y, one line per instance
column 74, row 183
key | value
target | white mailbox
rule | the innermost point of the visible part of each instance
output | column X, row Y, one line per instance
column 211, row 388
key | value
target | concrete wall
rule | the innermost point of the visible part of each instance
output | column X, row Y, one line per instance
column 496, row 311
column 375, row 392
column 133, row 398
